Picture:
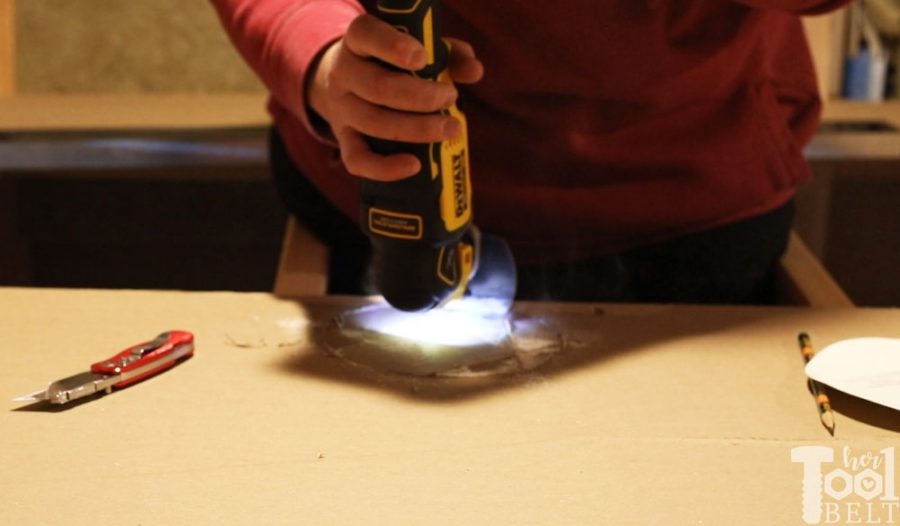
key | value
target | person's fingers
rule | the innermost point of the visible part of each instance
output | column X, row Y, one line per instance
column 376, row 121
column 361, row 161
column 397, row 90
column 464, row 66
column 368, row 99
column 369, row 37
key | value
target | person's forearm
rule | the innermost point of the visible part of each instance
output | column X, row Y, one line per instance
column 281, row 39
column 800, row 7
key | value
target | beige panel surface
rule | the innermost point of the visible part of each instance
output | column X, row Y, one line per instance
column 132, row 111
column 653, row 415
column 82, row 46
column 7, row 48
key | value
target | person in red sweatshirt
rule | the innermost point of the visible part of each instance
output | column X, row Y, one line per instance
column 628, row 150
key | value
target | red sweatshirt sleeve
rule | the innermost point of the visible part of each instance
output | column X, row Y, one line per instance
column 799, row 7
column 280, row 40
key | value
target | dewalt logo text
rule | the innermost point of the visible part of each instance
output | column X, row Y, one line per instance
column 460, row 194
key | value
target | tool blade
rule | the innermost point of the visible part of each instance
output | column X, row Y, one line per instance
column 33, row 397
column 494, row 280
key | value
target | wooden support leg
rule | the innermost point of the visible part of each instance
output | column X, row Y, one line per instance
column 303, row 269
column 804, row 281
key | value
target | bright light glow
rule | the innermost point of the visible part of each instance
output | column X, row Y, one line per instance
column 453, row 327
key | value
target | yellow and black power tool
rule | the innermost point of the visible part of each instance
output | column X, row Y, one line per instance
column 426, row 251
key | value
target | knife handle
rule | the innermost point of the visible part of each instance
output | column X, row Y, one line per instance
column 147, row 359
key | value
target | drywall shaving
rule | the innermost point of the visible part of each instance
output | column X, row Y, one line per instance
column 254, row 332
column 532, row 341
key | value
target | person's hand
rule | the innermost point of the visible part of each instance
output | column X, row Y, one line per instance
column 357, row 95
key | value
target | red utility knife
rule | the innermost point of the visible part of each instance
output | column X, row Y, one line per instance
column 129, row 366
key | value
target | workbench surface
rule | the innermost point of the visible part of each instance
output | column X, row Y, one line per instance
column 649, row 415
